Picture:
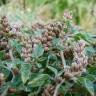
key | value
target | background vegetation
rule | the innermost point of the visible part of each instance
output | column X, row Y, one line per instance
column 83, row 10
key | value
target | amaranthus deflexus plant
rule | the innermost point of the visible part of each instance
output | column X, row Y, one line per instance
column 45, row 59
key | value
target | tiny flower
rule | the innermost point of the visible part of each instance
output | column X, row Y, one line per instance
column 81, row 43
column 67, row 15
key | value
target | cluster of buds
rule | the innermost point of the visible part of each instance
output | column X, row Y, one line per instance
column 51, row 30
column 4, row 26
column 3, row 44
column 4, row 31
column 68, row 53
column 80, row 60
column 16, row 32
column 7, row 30
column 27, row 49
column 67, row 15
column 37, row 26
column 55, row 27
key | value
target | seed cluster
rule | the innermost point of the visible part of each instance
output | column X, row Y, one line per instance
column 4, row 26
column 51, row 30
column 80, row 60
column 4, row 47
column 37, row 26
column 27, row 48
column 4, row 31
column 79, row 54
column 15, row 31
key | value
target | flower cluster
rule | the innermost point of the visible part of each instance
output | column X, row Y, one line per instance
column 16, row 32
column 4, row 31
column 67, row 15
column 4, row 26
column 80, row 60
column 51, row 30
column 27, row 48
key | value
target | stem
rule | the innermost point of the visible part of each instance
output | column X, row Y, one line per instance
column 11, row 54
column 63, row 59
column 57, row 88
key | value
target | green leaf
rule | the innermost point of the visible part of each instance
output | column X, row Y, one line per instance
column 53, row 70
column 4, row 90
column 39, row 65
column 2, row 54
column 90, row 50
column 92, row 70
column 85, row 36
column 16, row 45
column 66, row 87
column 52, row 57
column 38, row 51
column 39, row 80
column 91, row 77
column 88, row 84
column 5, row 71
column 17, row 82
column 25, row 72
column 57, row 43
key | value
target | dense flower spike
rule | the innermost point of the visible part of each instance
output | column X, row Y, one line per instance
column 4, row 34
column 79, row 54
column 4, row 26
column 27, row 49
column 67, row 15
column 80, row 60
column 51, row 30
column 16, row 32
